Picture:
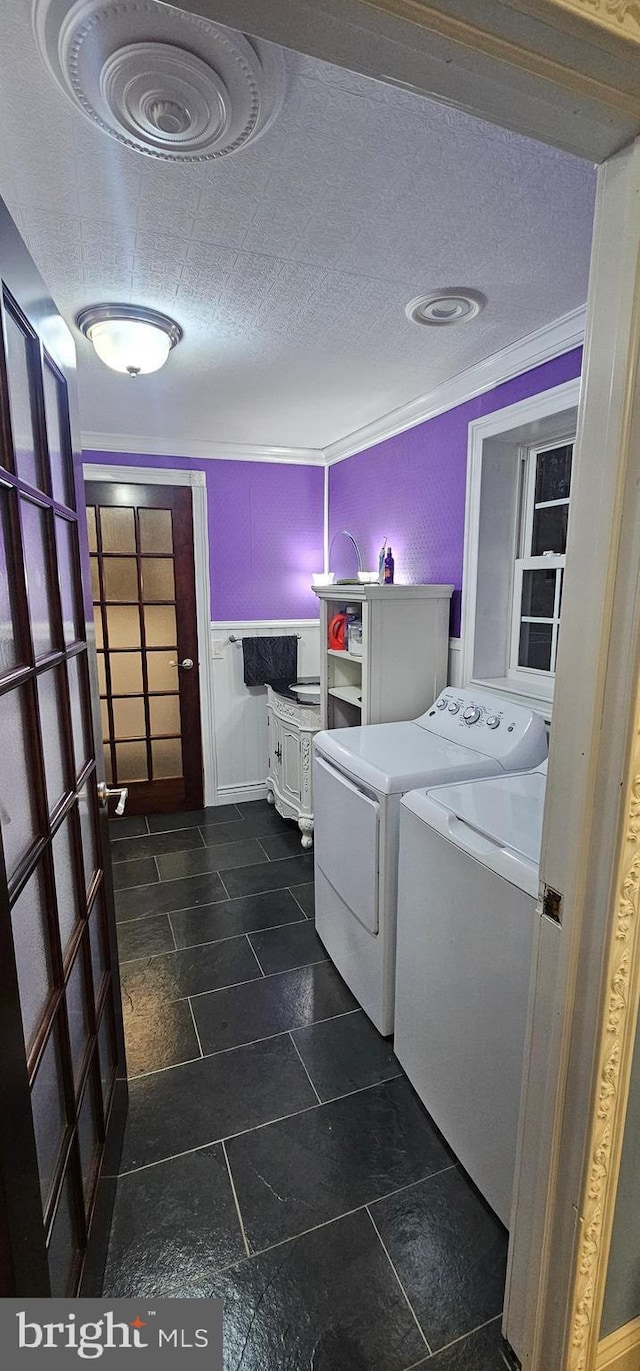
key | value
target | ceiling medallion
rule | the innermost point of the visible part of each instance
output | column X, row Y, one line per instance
column 454, row 305
column 161, row 81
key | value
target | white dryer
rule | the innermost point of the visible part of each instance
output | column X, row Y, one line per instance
column 360, row 776
column 467, row 892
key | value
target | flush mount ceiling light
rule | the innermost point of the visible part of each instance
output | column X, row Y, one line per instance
column 456, row 305
column 170, row 84
column 130, row 338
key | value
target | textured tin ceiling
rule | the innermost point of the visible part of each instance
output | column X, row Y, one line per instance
column 289, row 263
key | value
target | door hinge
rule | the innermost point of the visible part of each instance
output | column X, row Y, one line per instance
column 552, row 904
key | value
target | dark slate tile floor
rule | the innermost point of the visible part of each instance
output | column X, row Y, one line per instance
column 275, row 1154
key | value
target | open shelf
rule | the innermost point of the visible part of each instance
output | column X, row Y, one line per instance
column 351, row 694
column 341, row 652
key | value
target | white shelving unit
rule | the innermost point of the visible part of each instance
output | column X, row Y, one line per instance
column 405, row 647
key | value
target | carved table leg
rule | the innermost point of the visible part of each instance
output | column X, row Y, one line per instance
column 271, row 799
column 306, row 829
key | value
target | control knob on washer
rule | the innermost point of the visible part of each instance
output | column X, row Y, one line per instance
column 471, row 714
column 442, row 704
column 493, row 721
column 454, row 707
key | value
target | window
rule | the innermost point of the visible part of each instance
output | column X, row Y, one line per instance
column 539, row 568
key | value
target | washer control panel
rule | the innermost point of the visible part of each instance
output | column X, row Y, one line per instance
column 511, row 733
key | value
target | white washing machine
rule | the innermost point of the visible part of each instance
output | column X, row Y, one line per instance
column 360, row 775
column 467, row 891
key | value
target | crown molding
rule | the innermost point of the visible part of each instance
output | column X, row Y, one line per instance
column 199, row 450
column 541, row 346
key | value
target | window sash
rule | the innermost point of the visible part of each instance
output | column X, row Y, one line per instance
column 551, row 562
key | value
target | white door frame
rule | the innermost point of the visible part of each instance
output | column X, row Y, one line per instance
column 155, row 476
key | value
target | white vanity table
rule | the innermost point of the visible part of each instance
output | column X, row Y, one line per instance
column 291, row 726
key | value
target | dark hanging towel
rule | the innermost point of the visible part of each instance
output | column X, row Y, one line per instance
column 269, row 661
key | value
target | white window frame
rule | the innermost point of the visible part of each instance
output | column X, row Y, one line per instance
column 527, row 561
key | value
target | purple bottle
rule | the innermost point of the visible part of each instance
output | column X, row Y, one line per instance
column 389, row 566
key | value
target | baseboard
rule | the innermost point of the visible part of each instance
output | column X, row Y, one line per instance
column 620, row 1351
column 240, row 794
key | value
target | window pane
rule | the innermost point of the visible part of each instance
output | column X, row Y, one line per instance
column 104, row 712
column 35, row 535
column 108, row 774
column 98, row 627
column 549, row 530
column 157, row 578
column 164, row 711
column 162, row 675
column 77, row 1015
column 64, row 866
column 102, row 679
column 9, row 655
column 17, row 788
column 126, row 673
column 167, row 757
column 155, row 530
column 49, row 1117
column 88, row 1138
column 160, row 625
column 123, row 626
column 95, row 580
column 33, row 960
column 99, row 960
column 76, row 669
column 65, row 538
column 63, row 1244
column 131, row 762
column 118, row 529
column 128, row 718
column 52, row 727
column 535, row 646
column 27, row 465
column 120, row 578
column 61, row 483
column 553, row 473
column 107, row 1055
column 87, row 831
column 539, row 593
column 92, row 528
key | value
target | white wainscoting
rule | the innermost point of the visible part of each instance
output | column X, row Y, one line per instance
column 240, row 712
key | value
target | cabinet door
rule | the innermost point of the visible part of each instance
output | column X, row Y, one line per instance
column 290, row 763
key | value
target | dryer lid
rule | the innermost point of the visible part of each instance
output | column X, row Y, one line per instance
column 394, row 758
column 507, row 809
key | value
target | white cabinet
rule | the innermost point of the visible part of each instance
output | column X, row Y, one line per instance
column 290, row 730
column 405, row 650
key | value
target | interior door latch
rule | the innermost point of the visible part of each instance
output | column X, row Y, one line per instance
column 552, row 904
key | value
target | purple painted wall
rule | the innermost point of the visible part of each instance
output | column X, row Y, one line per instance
column 411, row 488
column 265, row 533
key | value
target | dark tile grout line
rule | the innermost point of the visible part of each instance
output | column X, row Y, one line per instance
column 281, row 1118
column 236, row 1202
column 304, row 1065
column 266, row 854
column 260, row 967
column 248, row 932
column 269, row 861
column 184, row 909
column 197, row 994
column 282, row 1033
column 456, row 1341
column 396, row 1274
column 292, row 893
column 195, row 1029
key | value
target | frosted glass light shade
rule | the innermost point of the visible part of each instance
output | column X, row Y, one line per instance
column 129, row 338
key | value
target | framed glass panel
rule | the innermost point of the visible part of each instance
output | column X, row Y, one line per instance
column 95, row 582
column 64, row 867
column 18, row 817
column 33, row 956
column 126, row 673
column 160, row 625
column 49, row 1113
column 18, row 346
column 65, row 539
column 549, row 530
column 64, row 1246
column 106, row 757
column 162, row 676
column 99, row 959
column 57, row 439
column 104, row 713
column 98, row 628
column 156, row 533
column 77, row 1015
column 76, row 676
column 128, row 718
column 10, row 655
column 553, row 474
column 92, row 529
column 36, row 536
column 157, row 578
column 88, row 1138
column 120, row 575
column 53, row 736
column 107, row 1055
column 102, row 678
column 535, row 646
column 164, row 714
column 123, row 626
column 131, row 762
column 87, row 831
column 167, row 757
column 539, row 593
column 118, row 529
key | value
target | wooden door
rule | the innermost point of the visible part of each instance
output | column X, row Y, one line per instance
column 62, row 1082
column 141, row 544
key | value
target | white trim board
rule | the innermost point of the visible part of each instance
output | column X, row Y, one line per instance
column 199, row 450
column 519, row 357
column 197, row 481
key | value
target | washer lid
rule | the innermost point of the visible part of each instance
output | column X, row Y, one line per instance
column 394, row 758
column 506, row 809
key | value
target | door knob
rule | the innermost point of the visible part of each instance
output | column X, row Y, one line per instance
column 186, row 663
column 106, row 793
